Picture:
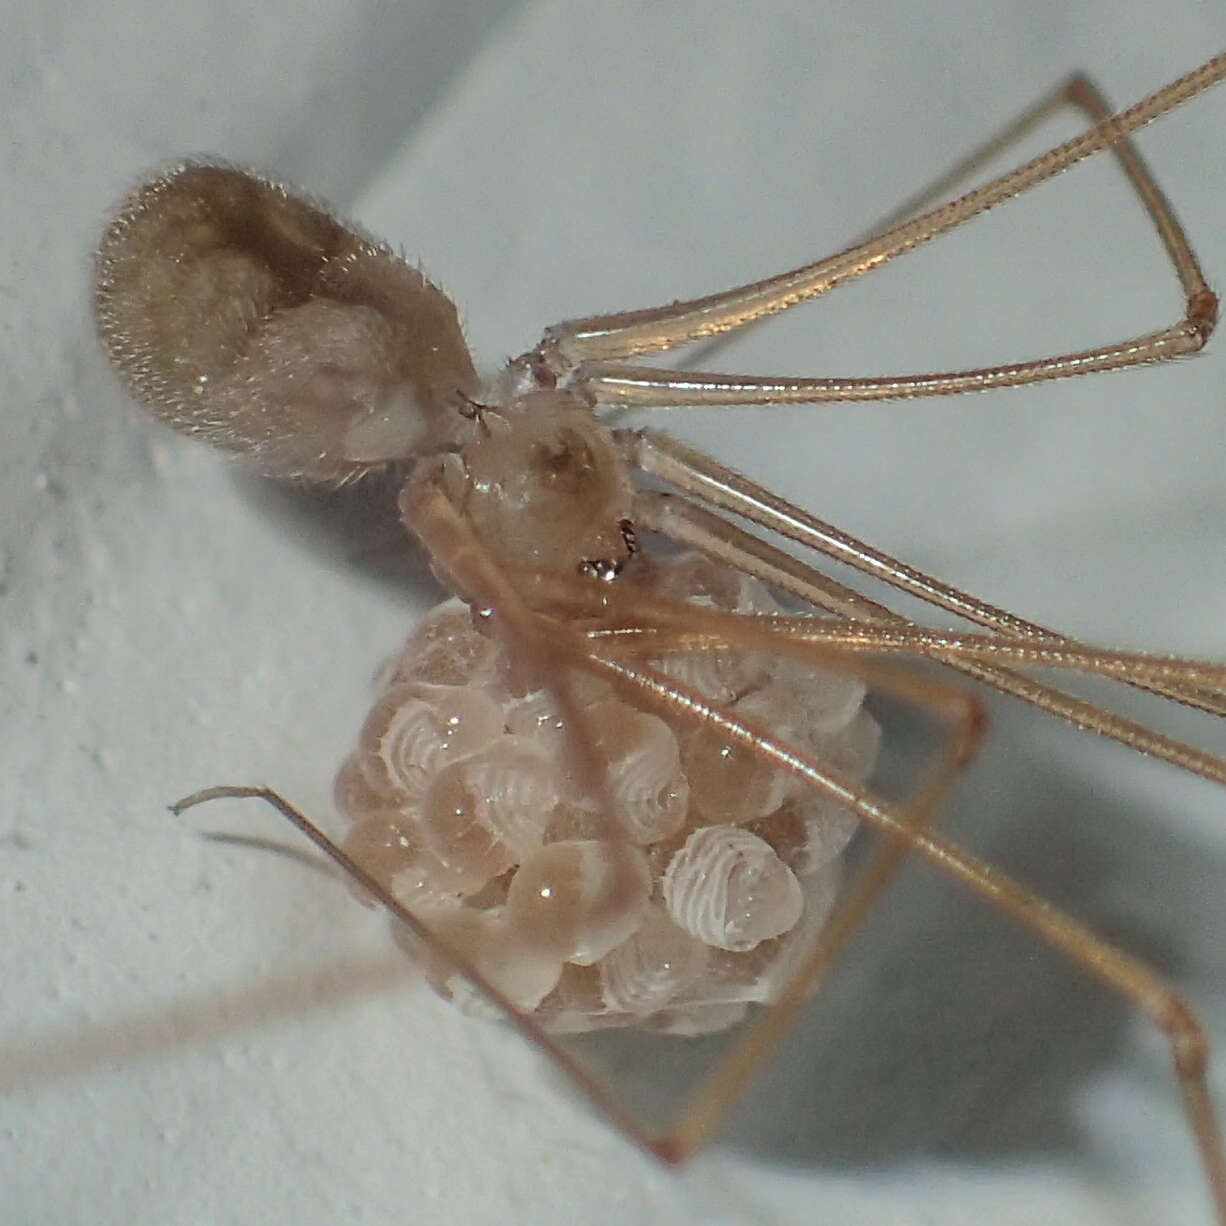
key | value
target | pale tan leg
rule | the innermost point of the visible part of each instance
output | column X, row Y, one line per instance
column 967, row 724
column 549, row 648
column 694, row 473
column 600, row 338
column 599, row 1096
column 465, row 567
column 729, row 544
column 613, row 386
column 648, row 625
column 1125, row 975
column 1078, row 92
column 442, row 527
column 478, row 575
column 643, row 626
column 833, row 641
column 562, row 645
column 625, row 386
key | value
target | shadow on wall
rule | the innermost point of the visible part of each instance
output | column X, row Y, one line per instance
column 945, row 1030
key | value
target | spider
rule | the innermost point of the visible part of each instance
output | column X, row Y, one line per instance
column 245, row 315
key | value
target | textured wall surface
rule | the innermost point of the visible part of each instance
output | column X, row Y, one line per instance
column 197, row 1031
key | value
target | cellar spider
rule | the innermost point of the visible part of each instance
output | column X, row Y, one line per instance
column 537, row 598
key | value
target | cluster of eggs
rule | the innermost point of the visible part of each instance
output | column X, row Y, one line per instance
column 695, row 898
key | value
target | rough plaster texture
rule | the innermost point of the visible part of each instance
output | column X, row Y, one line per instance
column 200, row 1032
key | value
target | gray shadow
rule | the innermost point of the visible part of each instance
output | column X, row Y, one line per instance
column 355, row 528
column 944, row 1030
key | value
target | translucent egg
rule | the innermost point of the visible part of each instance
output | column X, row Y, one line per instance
column 468, row 805
column 580, row 899
column 855, row 751
column 719, row 676
column 658, row 962
column 728, row 781
column 492, row 947
column 577, row 1004
column 807, row 831
column 445, row 649
column 830, row 700
column 759, row 975
column 642, row 771
column 352, row 794
column 728, row 888
column 695, row 578
column 382, row 844
column 483, row 814
column 390, row 847
column 412, row 730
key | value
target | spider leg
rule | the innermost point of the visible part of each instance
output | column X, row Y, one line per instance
column 649, row 625
column 1124, row 975
column 602, row 338
column 696, row 474
column 424, row 933
column 1077, row 91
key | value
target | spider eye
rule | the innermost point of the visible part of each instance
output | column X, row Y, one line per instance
column 603, row 569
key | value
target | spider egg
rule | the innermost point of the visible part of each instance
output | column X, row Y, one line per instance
column 644, row 973
column 412, row 730
column 467, row 805
column 728, row 783
column 642, row 766
column 580, row 899
column 445, row 649
column 728, row 888
column 492, row 947
column 484, row 814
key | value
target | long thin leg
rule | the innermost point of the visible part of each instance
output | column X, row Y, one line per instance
column 637, row 627
column 689, row 470
column 1126, row 976
column 603, row 1100
column 704, row 630
column 1077, row 91
column 700, row 1119
column 646, row 625
column 729, row 544
column 617, row 386
column 626, row 334
column 479, row 575
column 720, row 1089
column 468, row 570
column 542, row 643
column 441, row 528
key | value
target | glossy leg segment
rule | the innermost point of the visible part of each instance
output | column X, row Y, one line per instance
column 475, row 573
column 604, row 1101
column 601, row 338
column 441, row 528
column 698, row 475
column 648, row 625
column 612, row 386
column 1078, row 92
column 469, row 571
column 692, row 526
column 1124, row 975
column 625, row 386
column 632, row 625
